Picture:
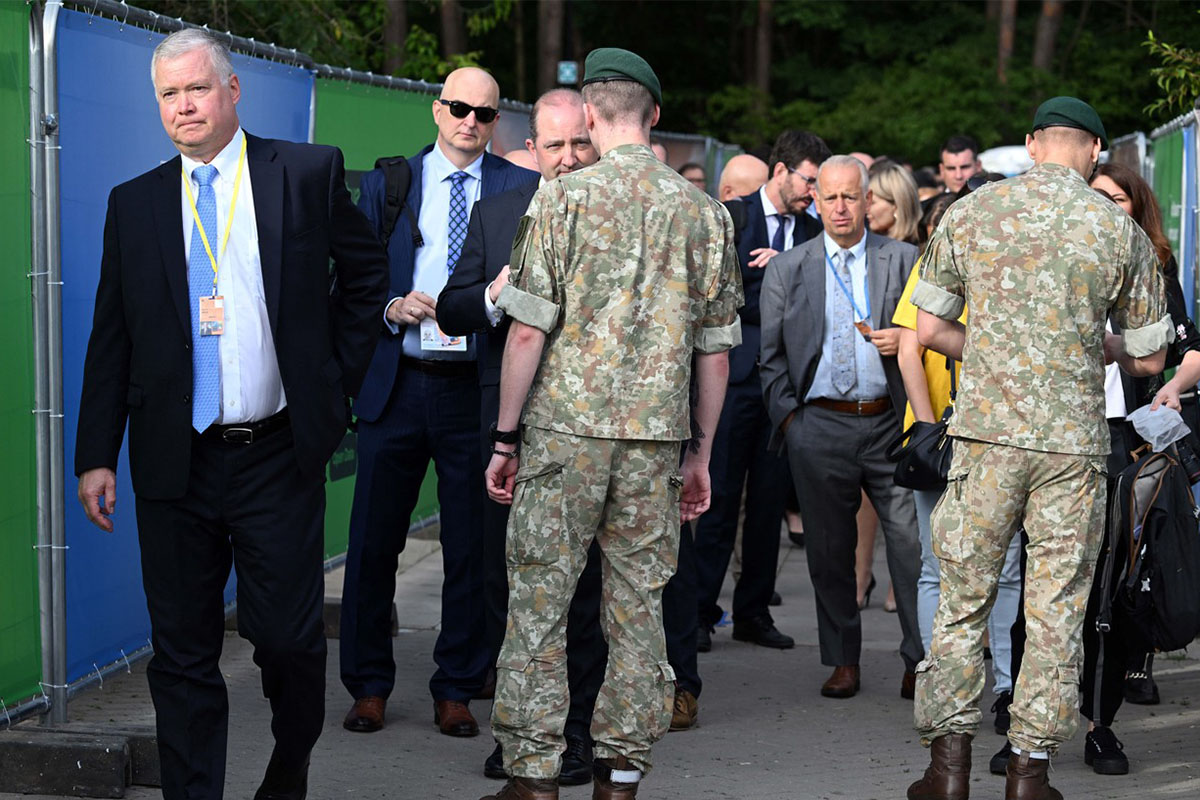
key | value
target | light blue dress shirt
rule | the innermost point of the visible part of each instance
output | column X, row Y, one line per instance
column 872, row 382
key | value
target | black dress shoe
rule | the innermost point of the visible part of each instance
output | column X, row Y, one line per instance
column 999, row 763
column 576, row 762
column 283, row 782
column 762, row 633
column 797, row 537
column 703, row 639
column 494, row 766
column 776, row 599
column 1003, row 717
column 1102, row 752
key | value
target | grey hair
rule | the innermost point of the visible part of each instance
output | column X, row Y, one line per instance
column 846, row 161
column 562, row 96
column 182, row 42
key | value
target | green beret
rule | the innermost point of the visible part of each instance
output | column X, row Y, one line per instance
column 615, row 64
column 1070, row 112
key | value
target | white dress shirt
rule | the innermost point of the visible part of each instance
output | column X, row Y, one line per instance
column 789, row 221
column 251, row 388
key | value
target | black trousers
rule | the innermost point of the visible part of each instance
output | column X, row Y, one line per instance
column 247, row 506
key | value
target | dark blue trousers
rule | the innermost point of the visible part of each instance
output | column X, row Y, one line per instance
column 428, row 416
column 679, row 616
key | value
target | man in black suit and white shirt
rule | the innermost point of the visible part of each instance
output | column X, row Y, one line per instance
column 216, row 335
column 834, row 393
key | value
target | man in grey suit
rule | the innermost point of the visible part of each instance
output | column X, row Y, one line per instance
column 835, row 397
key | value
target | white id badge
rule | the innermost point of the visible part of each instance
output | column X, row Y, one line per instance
column 432, row 338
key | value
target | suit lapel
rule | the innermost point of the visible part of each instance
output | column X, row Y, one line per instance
column 878, row 271
column 168, row 222
column 812, row 285
column 266, row 178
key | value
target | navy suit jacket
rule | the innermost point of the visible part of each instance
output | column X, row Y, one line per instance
column 498, row 176
column 751, row 237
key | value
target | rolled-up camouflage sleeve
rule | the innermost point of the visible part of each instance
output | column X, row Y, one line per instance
column 720, row 327
column 1141, row 307
column 940, row 290
column 531, row 295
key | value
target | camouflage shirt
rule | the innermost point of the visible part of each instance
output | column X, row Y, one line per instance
column 1041, row 260
column 628, row 269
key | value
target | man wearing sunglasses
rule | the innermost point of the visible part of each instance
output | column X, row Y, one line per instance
column 420, row 400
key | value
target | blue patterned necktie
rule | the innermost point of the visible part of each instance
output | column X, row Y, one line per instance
column 777, row 239
column 845, row 374
column 458, row 219
column 206, row 376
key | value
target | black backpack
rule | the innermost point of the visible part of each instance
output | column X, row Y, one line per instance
column 397, row 176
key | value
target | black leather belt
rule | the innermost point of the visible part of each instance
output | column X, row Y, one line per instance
column 445, row 369
column 249, row 432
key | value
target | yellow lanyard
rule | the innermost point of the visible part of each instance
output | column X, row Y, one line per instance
column 237, row 184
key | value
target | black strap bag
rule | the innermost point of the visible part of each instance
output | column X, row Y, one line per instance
column 922, row 453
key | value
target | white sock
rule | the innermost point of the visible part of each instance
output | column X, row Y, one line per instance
column 1041, row 754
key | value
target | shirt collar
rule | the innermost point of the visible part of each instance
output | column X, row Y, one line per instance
column 225, row 161
column 768, row 206
column 858, row 250
column 441, row 167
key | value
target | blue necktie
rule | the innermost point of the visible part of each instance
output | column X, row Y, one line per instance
column 206, row 376
column 458, row 220
column 777, row 239
column 845, row 372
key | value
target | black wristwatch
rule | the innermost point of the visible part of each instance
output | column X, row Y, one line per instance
column 503, row 437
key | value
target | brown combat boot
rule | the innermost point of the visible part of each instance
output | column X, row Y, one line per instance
column 526, row 789
column 949, row 774
column 1029, row 779
column 603, row 785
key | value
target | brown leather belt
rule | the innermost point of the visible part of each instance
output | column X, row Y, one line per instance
column 859, row 408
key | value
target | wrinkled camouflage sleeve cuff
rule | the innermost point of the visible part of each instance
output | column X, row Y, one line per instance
column 530, row 309
column 718, row 340
column 1142, row 342
column 937, row 301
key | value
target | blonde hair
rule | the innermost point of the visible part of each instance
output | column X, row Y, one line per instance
column 894, row 184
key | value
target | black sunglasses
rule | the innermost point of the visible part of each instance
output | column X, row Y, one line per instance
column 460, row 110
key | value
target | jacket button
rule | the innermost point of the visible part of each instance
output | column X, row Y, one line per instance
column 187, row 398
column 187, row 346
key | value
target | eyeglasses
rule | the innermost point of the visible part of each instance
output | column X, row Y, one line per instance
column 460, row 110
column 803, row 177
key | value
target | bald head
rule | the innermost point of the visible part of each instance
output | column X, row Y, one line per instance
column 521, row 158
column 866, row 159
column 463, row 139
column 742, row 175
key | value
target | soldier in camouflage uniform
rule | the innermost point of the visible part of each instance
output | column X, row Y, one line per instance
column 1042, row 260
column 623, row 276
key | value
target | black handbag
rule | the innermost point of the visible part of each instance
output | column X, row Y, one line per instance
column 922, row 453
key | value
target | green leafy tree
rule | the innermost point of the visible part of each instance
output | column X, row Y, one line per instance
column 1178, row 77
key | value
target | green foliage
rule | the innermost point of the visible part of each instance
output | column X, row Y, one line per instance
column 1178, row 77
column 423, row 57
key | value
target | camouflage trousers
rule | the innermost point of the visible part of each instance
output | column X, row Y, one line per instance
column 993, row 489
column 571, row 490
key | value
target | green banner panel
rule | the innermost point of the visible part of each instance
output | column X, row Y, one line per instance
column 20, row 649
column 367, row 122
column 1168, row 185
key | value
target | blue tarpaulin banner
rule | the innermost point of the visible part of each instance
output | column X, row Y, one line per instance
column 110, row 133
column 1187, row 253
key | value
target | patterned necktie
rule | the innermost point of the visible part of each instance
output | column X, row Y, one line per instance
column 845, row 374
column 777, row 239
column 206, row 376
column 458, row 219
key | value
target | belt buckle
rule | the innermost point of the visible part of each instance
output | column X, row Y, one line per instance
column 860, row 402
column 238, row 435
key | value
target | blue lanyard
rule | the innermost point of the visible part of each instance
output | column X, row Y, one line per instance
column 849, row 295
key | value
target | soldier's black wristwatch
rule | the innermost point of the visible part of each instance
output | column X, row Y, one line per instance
column 503, row 437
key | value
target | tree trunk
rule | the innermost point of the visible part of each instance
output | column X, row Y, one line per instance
column 550, row 41
column 454, row 30
column 1047, row 34
column 762, row 48
column 1008, row 25
column 395, row 32
column 992, row 9
column 522, row 67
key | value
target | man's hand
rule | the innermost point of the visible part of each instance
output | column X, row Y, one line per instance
column 1167, row 396
column 499, row 283
column 94, row 484
column 696, row 494
column 886, row 341
column 411, row 309
column 760, row 256
column 1114, row 346
column 501, row 477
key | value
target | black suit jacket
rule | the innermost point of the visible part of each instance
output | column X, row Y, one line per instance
column 486, row 250
column 752, row 236
column 139, row 361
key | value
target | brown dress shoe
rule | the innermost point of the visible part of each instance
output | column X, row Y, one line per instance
column 366, row 715
column 454, row 718
column 603, row 785
column 948, row 776
column 908, row 686
column 683, row 717
column 526, row 789
column 844, row 682
column 1029, row 779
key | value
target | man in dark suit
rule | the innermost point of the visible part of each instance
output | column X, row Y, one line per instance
column 768, row 221
column 559, row 144
column 829, row 373
column 217, row 336
column 420, row 400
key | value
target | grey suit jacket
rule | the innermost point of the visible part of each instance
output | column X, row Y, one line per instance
column 793, row 319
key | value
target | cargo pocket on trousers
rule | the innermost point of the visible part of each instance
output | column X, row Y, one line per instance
column 923, row 708
column 948, row 521
column 519, row 687
column 1062, row 702
column 536, row 535
column 665, row 675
